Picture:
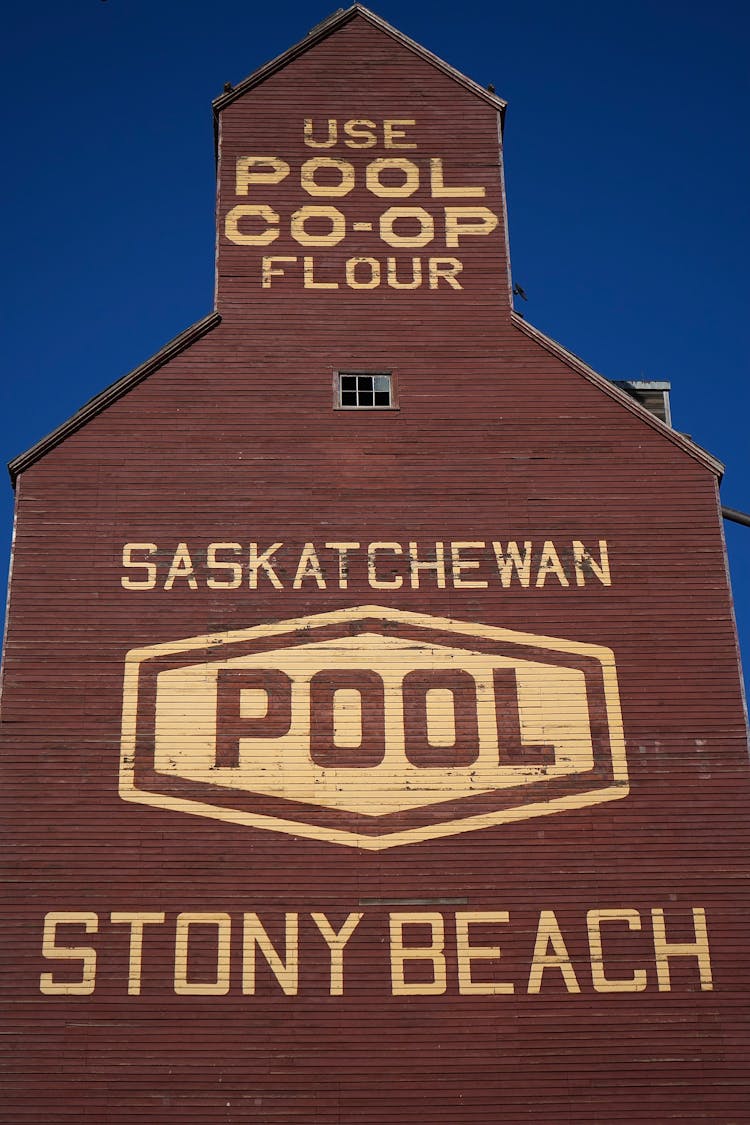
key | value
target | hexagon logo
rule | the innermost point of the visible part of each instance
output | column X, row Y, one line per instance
column 372, row 727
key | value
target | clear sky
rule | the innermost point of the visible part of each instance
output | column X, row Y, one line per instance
column 627, row 163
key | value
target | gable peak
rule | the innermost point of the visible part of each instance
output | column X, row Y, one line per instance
column 330, row 26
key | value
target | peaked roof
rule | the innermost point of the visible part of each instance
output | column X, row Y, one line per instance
column 180, row 343
column 328, row 27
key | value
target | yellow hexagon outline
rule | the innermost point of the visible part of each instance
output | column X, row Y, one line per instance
column 617, row 790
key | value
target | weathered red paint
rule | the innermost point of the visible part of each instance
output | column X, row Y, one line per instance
column 498, row 436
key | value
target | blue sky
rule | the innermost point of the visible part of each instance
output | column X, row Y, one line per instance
column 627, row 171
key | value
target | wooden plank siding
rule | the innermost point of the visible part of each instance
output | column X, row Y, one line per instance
column 499, row 437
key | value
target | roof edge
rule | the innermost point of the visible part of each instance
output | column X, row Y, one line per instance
column 110, row 394
column 684, row 443
column 327, row 27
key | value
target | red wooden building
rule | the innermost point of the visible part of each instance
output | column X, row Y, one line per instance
column 373, row 740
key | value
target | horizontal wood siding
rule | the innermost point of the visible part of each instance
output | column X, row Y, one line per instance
column 495, row 438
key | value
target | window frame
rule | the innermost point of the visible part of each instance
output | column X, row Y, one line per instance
column 339, row 372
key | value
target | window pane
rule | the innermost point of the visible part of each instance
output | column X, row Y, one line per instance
column 357, row 389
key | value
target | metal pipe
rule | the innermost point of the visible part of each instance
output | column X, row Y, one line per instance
column 737, row 517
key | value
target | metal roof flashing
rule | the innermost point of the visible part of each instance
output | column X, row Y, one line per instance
column 620, row 395
column 110, row 394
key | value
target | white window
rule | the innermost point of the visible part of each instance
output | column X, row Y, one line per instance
column 371, row 390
